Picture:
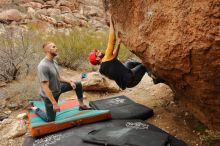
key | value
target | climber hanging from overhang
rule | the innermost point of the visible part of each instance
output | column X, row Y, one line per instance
column 125, row 75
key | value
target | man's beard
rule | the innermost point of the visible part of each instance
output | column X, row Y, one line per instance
column 53, row 54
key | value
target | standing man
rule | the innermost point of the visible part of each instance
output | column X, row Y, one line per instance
column 52, row 85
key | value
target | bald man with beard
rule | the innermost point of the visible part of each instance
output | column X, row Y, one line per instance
column 52, row 85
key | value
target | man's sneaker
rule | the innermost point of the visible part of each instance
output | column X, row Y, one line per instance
column 30, row 105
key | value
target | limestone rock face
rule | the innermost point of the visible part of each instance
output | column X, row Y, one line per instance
column 180, row 42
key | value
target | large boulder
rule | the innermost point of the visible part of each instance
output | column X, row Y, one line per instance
column 51, row 3
column 34, row 5
column 69, row 19
column 53, row 12
column 41, row 12
column 180, row 42
column 65, row 9
column 47, row 19
column 72, row 4
column 5, row 2
column 96, row 82
column 10, row 15
column 91, row 11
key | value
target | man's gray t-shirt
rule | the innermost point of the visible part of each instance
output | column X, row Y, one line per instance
column 48, row 71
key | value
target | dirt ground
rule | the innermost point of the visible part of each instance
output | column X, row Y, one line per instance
column 169, row 114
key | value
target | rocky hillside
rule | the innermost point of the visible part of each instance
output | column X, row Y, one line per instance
column 53, row 13
column 180, row 42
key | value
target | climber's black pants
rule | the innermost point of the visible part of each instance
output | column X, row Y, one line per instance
column 138, row 71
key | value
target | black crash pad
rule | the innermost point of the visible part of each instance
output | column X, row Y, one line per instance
column 74, row 135
column 123, row 136
column 122, row 107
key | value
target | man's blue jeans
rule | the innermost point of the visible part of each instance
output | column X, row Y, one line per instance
column 50, row 114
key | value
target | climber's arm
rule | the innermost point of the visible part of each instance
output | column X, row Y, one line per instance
column 116, row 50
column 111, row 41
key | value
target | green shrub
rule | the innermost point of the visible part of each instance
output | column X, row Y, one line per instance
column 19, row 53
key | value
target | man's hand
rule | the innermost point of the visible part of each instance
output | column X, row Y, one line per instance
column 56, row 107
column 72, row 83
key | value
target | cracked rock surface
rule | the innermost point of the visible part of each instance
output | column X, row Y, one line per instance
column 180, row 42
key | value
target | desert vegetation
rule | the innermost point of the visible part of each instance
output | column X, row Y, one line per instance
column 21, row 49
column 18, row 53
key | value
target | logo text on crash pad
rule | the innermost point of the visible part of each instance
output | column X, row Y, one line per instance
column 116, row 101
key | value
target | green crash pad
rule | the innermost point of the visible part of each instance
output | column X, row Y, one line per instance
column 69, row 113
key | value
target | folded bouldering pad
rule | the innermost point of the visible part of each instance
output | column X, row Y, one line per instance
column 73, row 136
column 123, row 136
column 69, row 116
column 122, row 107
